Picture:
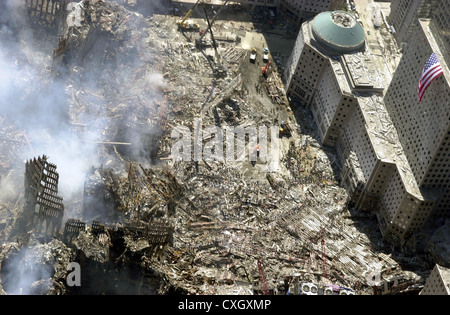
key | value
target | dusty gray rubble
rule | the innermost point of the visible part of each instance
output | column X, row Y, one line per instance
column 144, row 223
column 29, row 266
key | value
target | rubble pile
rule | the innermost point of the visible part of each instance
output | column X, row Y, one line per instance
column 307, row 163
column 124, row 98
column 12, row 141
column 30, row 266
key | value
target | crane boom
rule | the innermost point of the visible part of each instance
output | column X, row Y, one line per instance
column 210, row 30
column 182, row 22
column 214, row 18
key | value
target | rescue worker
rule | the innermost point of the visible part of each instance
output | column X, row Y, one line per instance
column 257, row 148
column 255, row 151
column 282, row 129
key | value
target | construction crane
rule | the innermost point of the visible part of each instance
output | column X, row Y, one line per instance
column 185, row 24
column 214, row 18
column 263, row 280
column 219, row 70
column 210, row 30
column 265, row 69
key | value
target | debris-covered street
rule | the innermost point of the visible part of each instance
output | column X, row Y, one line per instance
column 94, row 98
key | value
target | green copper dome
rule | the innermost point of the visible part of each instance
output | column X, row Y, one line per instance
column 338, row 31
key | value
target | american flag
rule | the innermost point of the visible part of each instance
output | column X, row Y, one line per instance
column 431, row 71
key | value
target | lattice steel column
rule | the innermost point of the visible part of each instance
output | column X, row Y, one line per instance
column 42, row 202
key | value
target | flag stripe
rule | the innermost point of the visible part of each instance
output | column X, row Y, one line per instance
column 432, row 79
column 430, row 72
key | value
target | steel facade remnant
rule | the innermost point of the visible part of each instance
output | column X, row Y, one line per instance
column 72, row 228
column 156, row 233
column 45, row 11
column 43, row 204
column 98, row 228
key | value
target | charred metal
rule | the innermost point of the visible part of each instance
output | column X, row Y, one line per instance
column 93, row 95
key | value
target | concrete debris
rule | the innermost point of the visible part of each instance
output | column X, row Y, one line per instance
column 31, row 267
column 144, row 223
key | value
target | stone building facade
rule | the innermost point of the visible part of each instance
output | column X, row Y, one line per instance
column 405, row 15
column 298, row 11
column 424, row 128
column 438, row 283
column 393, row 161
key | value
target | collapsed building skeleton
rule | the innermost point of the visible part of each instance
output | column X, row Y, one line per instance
column 212, row 236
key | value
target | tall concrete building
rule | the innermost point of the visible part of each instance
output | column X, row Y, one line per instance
column 298, row 11
column 318, row 39
column 391, row 150
column 441, row 26
column 405, row 15
column 438, row 283
column 295, row 11
column 266, row 3
column 424, row 127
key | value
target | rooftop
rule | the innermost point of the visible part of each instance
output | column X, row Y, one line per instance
column 338, row 31
column 367, row 71
column 385, row 141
